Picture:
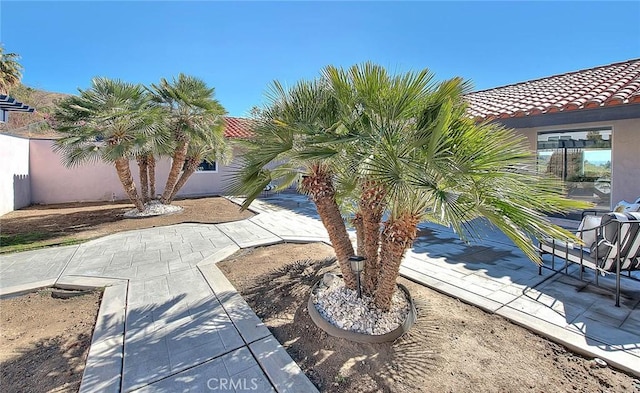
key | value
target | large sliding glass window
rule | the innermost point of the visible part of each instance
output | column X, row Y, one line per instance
column 581, row 159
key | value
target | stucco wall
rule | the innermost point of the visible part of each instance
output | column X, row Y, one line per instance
column 15, row 191
column 52, row 182
column 625, row 153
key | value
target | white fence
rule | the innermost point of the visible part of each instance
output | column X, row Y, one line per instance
column 15, row 190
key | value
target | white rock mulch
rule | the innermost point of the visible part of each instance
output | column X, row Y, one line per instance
column 341, row 307
column 153, row 208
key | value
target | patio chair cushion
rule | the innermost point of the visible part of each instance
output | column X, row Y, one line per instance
column 606, row 248
column 585, row 230
column 626, row 207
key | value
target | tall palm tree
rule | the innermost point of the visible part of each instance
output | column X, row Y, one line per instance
column 400, row 148
column 112, row 121
column 215, row 149
column 371, row 100
column 288, row 147
column 419, row 158
column 193, row 114
column 10, row 70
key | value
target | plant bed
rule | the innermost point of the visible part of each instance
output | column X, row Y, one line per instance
column 153, row 209
column 360, row 324
column 44, row 341
column 453, row 347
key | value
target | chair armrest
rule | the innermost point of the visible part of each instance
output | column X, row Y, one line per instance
column 592, row 213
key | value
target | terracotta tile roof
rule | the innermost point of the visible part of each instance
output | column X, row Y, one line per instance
column 613, row 84
column 237, row 127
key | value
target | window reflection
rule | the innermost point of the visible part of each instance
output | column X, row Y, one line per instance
column 582, row 160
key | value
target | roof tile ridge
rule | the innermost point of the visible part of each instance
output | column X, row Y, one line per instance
column 630, row 62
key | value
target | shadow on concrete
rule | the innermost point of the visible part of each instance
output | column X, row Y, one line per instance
column 566, row 301
column 292, row 200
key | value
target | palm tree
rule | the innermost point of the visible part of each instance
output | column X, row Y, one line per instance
column 112, row 121
column 419, row 158
column 193, row 114
column 10, row 71
column 379, row 101
column 399, row 147
column 288, row 147
column 215, row 149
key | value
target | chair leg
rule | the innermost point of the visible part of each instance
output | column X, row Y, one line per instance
column 618, row 281
column 541, row 262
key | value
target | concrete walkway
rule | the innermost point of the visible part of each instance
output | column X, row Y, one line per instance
column 170, row 320
column 493, row 274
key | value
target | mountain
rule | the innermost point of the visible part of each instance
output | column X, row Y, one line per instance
column 32, row 125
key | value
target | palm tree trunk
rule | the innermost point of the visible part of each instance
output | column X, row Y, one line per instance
column 371, row 207
column 320, row 188
column 151, row 168
column 397, row 236
column 144, row 177
column 179, row 155
column 124, row 173
column 190, row 167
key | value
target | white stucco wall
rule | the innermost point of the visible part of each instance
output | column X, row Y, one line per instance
column 52, row 182
column 625, row 153
column 14, row 173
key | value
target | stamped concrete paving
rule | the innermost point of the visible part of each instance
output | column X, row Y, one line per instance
column 174, row 322
column 169, row 319
column 493, row 274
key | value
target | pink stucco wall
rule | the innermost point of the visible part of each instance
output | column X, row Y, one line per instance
column 52, row 182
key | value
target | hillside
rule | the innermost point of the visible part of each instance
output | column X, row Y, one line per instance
column 31, row 125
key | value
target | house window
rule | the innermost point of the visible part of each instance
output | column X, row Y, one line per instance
column 206, row 167
column 581, row 159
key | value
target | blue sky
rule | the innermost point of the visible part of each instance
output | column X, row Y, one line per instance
column 240, row 47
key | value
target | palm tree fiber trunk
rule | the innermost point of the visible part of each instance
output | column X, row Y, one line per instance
column 190, row 167
column 124, row 174
column 320, row 188
column 371, row 208
column 397, row 236
column 151, row 168
column 144, row 177
column 179, row 155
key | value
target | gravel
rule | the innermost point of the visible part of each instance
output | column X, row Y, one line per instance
column 341, row 307
column 153, row 208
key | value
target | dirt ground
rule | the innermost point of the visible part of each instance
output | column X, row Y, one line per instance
column 41, row 225
column 44, row 341
column 454, row 347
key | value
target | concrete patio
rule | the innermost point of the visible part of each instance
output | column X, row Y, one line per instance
column 493, row 274
column 171, row 320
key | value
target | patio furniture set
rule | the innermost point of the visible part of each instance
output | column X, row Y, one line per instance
column 611, row 245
